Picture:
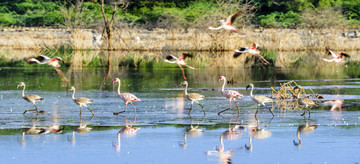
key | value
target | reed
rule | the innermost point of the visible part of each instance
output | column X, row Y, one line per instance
column 181, row 40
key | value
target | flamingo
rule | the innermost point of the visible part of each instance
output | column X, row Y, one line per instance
column 81, row 101
column 30, row 98
column 259, row 99
column 193, row 97
column 304, row 101
column 227, row 24
column 335, row 104
column 253, row 51
column 179, row 61
column 42, row 59
column 229, row 94
column 53, row 62
column 126, row 97
column 337, row 58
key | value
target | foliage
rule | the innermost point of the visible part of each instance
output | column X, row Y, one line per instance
column 172, row 14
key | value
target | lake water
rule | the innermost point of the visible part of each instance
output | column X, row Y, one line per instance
column 162, row 116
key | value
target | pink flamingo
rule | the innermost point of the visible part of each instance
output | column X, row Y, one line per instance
column 127, row 97
column 227, row 24
column 179, row 61
column 253, row 51
column 337, row 58
column 53, row 62
column 42, row 59
column 229, row 94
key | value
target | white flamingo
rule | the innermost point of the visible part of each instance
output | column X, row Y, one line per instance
column 253, row 51
column 229, row 94
column 126, row 97
column 179, row 61
column 30, row 98
column 259, row 99
column 227, row 24
column 337, row 58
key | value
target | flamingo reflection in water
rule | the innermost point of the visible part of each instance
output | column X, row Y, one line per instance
column 230, row 134
column 192, row 131
column 128, row 131
column 304, row 129
column 257, row 133
column 82, row 128
column 335, row 104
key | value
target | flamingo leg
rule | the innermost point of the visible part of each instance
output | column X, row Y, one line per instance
column 80, row 111
column 189, row 66
column 90, row 111
column 116, row 113
column 182, row 70
column 202, row 107
column 29, row 110
column 133, row 106
column 270, row 110
column 223, row 111
column 191, row 107
column 229, row 103
column 257, row 111
column 236, row 105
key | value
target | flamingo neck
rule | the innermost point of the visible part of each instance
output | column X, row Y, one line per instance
column 221, row 149
column 217, row 28
column 37, row 61
column 298, row 137
column 223, row 86
column 251, row 91
column 118, row 90
column 118, row 137
column 73, row 95
column 23, row 92
column 185, row 89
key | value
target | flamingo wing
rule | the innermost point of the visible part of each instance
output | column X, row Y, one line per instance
column 230, row 19
column 344, row 54
column 240, row 51
column 184, row 55
column 42, row 58
column 171, row 57
column 332, row 54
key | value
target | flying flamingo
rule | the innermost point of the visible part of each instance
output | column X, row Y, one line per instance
column 179, row 61
column 53, row 62
column 30, row 98
column 229, row 94
column 253, row 51
column 337, row 58
column 127, row 97
column 227, row 24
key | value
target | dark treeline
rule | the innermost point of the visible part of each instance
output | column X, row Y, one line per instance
column 178, row 13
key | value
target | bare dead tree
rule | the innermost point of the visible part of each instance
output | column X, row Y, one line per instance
column 108, row 23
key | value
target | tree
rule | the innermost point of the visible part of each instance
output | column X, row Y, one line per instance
column 108, row 23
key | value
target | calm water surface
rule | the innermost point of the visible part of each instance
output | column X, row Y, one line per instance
column 162, row 116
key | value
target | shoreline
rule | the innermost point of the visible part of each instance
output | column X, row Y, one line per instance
column 36, row 38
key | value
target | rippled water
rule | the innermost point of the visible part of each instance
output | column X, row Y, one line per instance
column 162, row 116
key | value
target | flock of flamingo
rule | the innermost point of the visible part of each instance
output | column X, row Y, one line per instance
column 231, row 95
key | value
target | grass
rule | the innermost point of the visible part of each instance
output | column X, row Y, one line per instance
column 180, row 40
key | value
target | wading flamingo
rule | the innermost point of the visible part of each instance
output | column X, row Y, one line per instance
column 126, row 97
column 193, row 97
column 227, row 24
column 253, row 51
column 259, row 99
column 304, row 101
column 30, row 98
column 81, row 101
column 53, row 62
column 337, row 58
column 179, row 61
column 229, row 94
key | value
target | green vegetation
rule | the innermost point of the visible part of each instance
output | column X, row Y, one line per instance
column 166, row 13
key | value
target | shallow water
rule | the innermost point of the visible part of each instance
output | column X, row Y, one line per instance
column 162, row 116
